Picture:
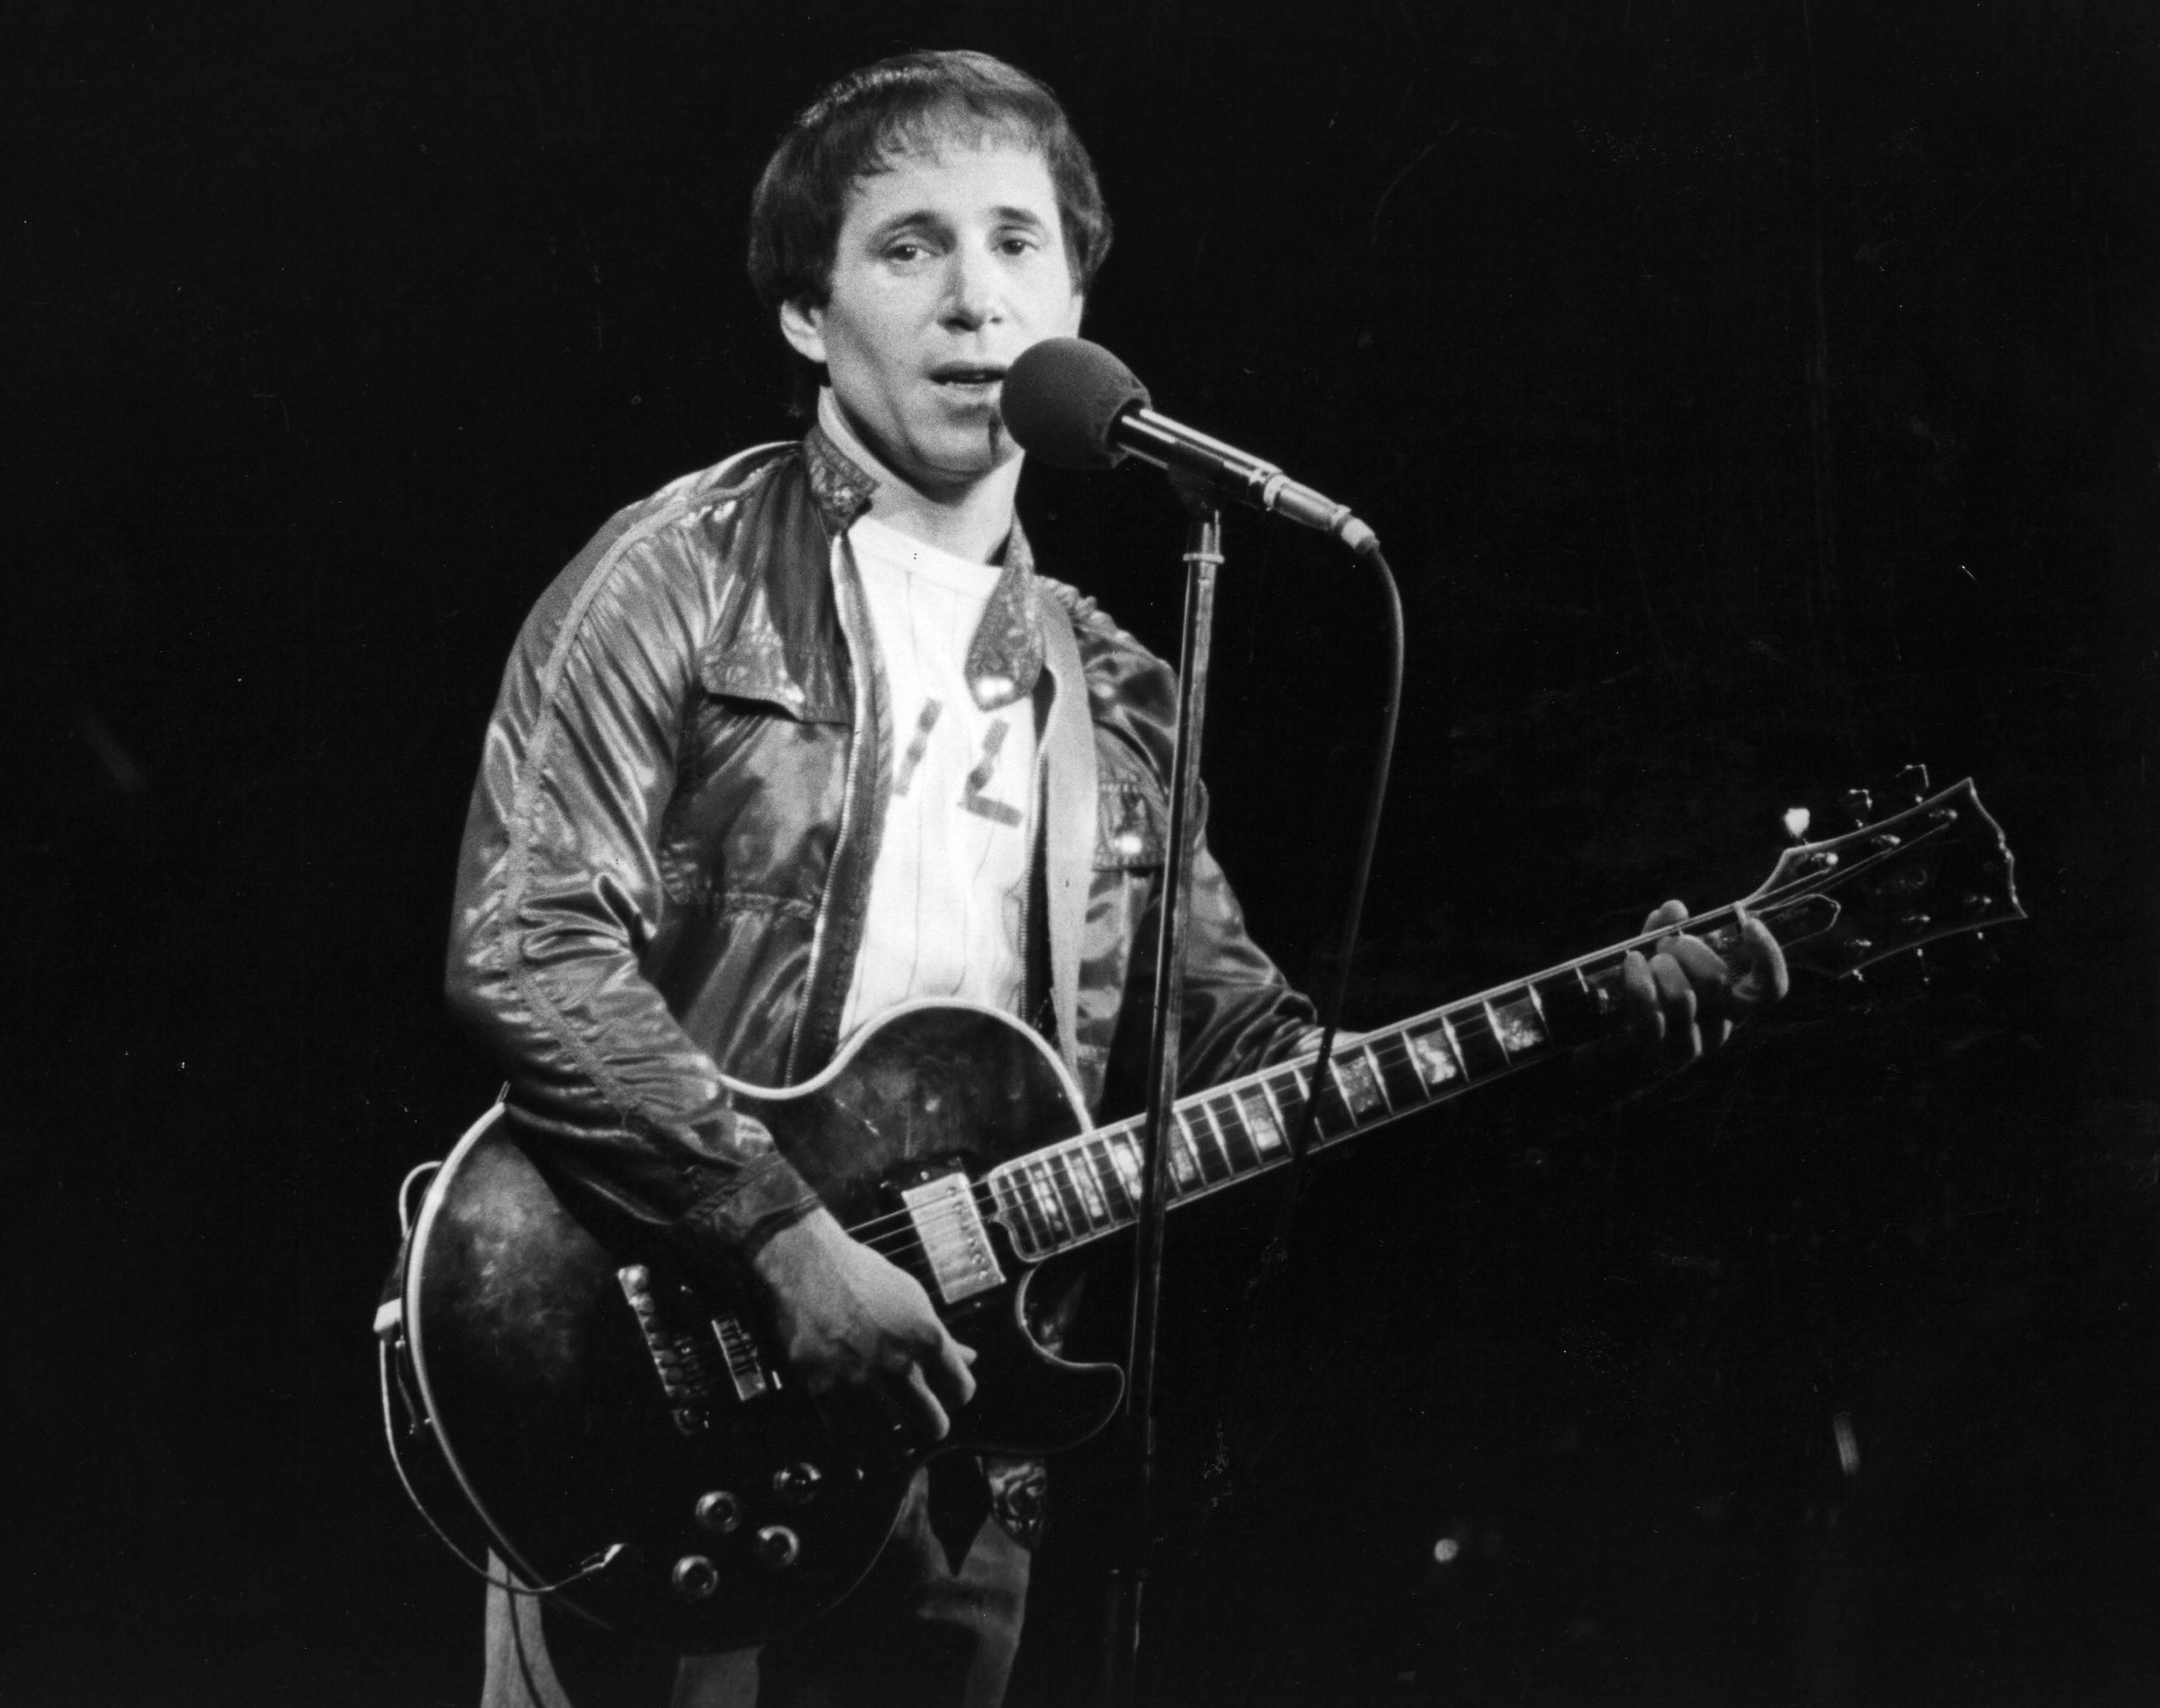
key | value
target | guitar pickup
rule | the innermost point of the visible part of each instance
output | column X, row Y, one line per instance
column 954, row 1241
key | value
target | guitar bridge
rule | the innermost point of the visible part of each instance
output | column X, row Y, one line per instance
column 690, row 1360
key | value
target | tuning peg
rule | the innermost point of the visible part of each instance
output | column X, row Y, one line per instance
column 1913, row 779
column 1857, row 805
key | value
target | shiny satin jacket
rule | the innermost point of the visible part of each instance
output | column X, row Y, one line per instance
column 666, row 862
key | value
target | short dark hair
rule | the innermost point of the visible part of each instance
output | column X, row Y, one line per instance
column 908, row 103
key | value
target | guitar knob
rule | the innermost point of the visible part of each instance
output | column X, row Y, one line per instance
column 696, row 1578
column 719, row 1512
column 797, row 1484
column 776, row 1548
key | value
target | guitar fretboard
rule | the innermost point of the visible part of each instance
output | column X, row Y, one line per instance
column 1939, row 867
column 1084, row 1188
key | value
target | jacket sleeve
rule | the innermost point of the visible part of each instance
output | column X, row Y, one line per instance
column 559, row 891
column 1239, row 1012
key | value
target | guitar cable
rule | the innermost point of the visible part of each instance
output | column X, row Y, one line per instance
column 592, row 1565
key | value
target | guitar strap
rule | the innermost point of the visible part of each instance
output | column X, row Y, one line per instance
column 1068, row 819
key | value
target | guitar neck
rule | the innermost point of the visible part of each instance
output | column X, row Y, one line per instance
column 1083, row 1189
column 1936, row 870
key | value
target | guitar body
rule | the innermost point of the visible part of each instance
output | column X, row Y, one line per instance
column 586, row 1395
column 628, row 1437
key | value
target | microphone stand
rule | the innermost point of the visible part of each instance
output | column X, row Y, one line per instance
column 1129, row 1571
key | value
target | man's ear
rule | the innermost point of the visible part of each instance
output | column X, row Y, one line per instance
column 804, row 329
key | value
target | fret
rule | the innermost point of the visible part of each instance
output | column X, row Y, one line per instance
column 1262, row 1125
column 1432, row 1053
column 1184, row 1168
column 1285, row 1089
column 1123, row 1145
column 1371, row 1053
column 1077, row 1164
column 1471, row 1028
column 1398, row 1074
column 1357, row 1077
column 1042, row 1213
column 1520, row 1027
column 1230, row 1129
column 1214, row 1160
column 1028, row 1230
column 1110, row 1178
column 1569, row 1005
column 1045, row 1199
column 1054, row 1164
column 1604, row 985
column 1334, row 1120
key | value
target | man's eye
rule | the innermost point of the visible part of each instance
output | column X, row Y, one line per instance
column 1017, row 244
column 904, row 252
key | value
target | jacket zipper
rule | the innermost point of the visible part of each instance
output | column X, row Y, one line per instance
column 847, row 807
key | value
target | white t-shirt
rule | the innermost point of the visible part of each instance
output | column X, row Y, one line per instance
column 948, row 895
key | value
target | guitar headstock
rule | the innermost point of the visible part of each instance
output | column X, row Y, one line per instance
column 1937, row 870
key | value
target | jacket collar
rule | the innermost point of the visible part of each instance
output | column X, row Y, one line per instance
column 1005, row 657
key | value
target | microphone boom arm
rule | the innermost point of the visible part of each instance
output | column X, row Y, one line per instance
column 1173, row 447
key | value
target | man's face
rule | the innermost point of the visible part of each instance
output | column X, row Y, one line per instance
column 948, row 265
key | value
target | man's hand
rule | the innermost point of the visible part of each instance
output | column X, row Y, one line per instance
column 852, row 1323
column 1682, row 990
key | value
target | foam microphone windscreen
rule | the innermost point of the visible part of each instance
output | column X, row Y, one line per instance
column 1060, row 398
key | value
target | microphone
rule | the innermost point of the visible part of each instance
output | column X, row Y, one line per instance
column 1076, row 406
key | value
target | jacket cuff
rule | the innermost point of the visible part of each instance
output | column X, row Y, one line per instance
column 752, row 1204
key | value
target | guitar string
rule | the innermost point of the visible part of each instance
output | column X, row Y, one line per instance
column 1047, row 1208
column 1194, row 1179
column 1089, row 1158
column 1823, row 879
column 896, row 1230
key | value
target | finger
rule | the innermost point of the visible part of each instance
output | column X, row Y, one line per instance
column 1670, row 914
column 1676, row 996
column 1708, row 974
column 1639, row 993
column 947, row 1370
column 924, row 1405
column 1766, row 979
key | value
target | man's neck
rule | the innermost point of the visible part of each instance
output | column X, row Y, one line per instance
column 971, row 522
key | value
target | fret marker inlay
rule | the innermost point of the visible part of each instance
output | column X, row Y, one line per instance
column 1359, row 1084
column 1260, row 1119
column 1435, row 1057
column 1518, row 1024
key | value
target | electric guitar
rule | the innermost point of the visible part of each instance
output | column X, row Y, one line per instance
column 628, row 1440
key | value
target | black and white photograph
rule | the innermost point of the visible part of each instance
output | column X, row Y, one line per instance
column 1179, row 855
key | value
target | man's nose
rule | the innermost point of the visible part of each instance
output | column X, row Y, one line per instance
column 971, row 290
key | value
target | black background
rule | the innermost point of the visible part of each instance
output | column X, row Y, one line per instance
column 1755, row 399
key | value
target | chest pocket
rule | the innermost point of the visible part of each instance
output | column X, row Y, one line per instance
column 756, row 671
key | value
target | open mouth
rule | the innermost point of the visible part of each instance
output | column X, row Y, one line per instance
column 976, row 378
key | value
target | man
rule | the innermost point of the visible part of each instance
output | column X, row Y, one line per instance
column 802, row 737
